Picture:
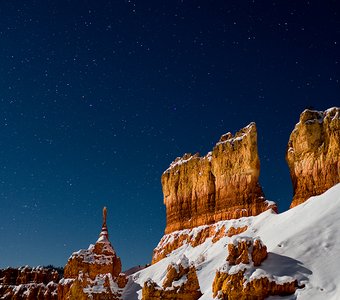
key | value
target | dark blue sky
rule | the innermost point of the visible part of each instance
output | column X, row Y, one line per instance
column 98, row 97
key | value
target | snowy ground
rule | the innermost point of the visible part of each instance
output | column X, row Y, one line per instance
column 302, row 242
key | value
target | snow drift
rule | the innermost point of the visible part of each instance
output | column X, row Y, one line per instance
column 302, row 244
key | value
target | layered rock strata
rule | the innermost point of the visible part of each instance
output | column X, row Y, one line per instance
column 94, row 273
column 180, row 283
column 219, row 186
column 238, row 279
column 29, row 283
column 313, row 153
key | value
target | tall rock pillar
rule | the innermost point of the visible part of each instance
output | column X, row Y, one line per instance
column 219, row 186
column 313, row 153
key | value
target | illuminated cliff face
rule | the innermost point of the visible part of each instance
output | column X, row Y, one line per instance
column 221, row 185
column 313, row 153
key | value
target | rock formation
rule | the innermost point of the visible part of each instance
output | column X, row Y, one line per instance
column 235, row 287
column 29, row 283
column 94, row 273
column 180, row 283
column 238, row 279
column 246, row 250
column 313, row 153
column 219, row 186
column 194, row 237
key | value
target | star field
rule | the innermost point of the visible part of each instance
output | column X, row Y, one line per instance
column 97, row 99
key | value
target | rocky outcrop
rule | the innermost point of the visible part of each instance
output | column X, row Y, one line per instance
column 236, row 230
column 235, row 287
column 238, row 279
column 194, row 237
column 29, row 283
column 219, row 186
column 180, row 283
column 94, row 273
column 246, row 250
column 313, row 153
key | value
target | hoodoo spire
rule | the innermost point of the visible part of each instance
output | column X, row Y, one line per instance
column 104, row 234
column 94, row 273
column 104, row 215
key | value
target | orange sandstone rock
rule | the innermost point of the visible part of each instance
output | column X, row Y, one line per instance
column 220, row 233
column 313, row 153
column 194, row 237
column 245, row 249
column 237, row 287
column 94, row 273
column 27, row 283
column 232, row 283
column 235, row 231
column 181, row 283
column 259, row 252
column 221, row 185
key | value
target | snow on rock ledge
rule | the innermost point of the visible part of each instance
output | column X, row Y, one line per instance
column 197, row 236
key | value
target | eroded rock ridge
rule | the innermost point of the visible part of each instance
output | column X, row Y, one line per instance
column 29, row 283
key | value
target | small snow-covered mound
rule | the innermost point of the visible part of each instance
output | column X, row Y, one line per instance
column 302, row 244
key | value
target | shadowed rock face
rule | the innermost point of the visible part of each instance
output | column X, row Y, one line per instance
column 219, row 186
column 313, row 153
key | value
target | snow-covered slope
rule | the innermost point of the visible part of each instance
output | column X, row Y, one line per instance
column 303, row 243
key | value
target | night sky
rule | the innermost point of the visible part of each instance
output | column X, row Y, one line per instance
column 97, row 98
